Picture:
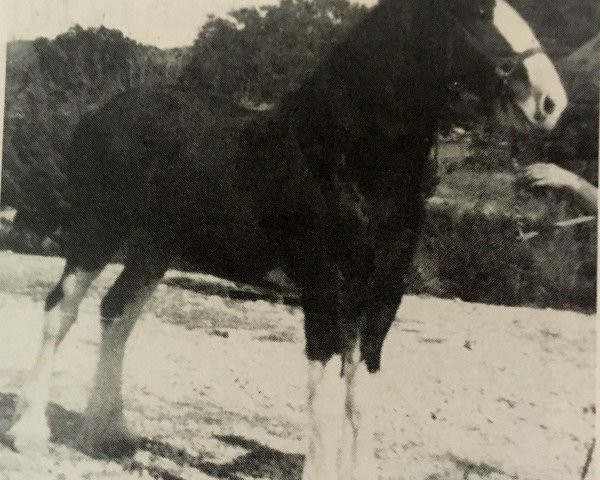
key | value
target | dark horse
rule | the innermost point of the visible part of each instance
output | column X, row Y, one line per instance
column 327, row 187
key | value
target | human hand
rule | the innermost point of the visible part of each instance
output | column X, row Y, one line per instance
column 550, row 175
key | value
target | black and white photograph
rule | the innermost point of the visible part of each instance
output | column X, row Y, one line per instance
column 299, row 239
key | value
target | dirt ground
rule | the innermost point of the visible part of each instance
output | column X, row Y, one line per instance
column 467, row 391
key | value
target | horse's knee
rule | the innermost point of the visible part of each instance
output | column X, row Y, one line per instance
column 371, row 339
column 371, row 354
column 54, row 297
column 324, row 337
column 68, row 293
column 112, row 307
column 123, row 302
column 70, row 290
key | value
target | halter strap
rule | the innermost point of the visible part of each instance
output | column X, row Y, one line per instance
column 516, row 60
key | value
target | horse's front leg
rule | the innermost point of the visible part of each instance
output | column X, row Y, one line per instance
column 360, row 409
column 326, row 393
column 361, row 367
column 342, row 404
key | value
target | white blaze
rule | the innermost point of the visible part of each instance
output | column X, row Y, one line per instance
column 513, row 28
column 547, row 98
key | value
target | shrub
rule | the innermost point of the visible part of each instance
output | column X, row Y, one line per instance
column 478, row 257
column 24, row 241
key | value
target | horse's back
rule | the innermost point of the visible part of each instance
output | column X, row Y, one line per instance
column 146, row 146
column 173, row 162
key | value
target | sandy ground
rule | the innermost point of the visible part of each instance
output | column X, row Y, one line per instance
column 468, row 391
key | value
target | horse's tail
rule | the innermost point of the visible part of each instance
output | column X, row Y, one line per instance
column 54, row 197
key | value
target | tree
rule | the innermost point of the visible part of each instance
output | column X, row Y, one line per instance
column 50, row 85
column 259, row 55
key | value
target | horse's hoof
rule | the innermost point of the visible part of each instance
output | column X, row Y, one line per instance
column 117, row 444
column 111, row 448
column 30, row 436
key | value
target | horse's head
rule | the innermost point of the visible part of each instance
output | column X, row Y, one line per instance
column 495, row 53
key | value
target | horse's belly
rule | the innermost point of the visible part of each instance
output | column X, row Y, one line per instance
column 235, row 255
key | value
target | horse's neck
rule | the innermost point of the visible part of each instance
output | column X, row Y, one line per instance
column 376, row 100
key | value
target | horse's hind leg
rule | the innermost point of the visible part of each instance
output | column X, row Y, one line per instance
column 30, row 432
column 105, row 431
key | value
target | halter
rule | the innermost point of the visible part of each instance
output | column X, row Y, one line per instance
column 513, row 61
column 504, row 66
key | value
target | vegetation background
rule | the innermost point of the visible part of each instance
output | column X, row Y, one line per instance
column 470, row 246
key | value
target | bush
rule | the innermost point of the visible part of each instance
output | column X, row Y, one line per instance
column 24, row 241
column 478, row 257
column 567, row 267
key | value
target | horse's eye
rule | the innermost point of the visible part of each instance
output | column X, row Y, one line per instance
column 483, row 14
column 506, row 65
